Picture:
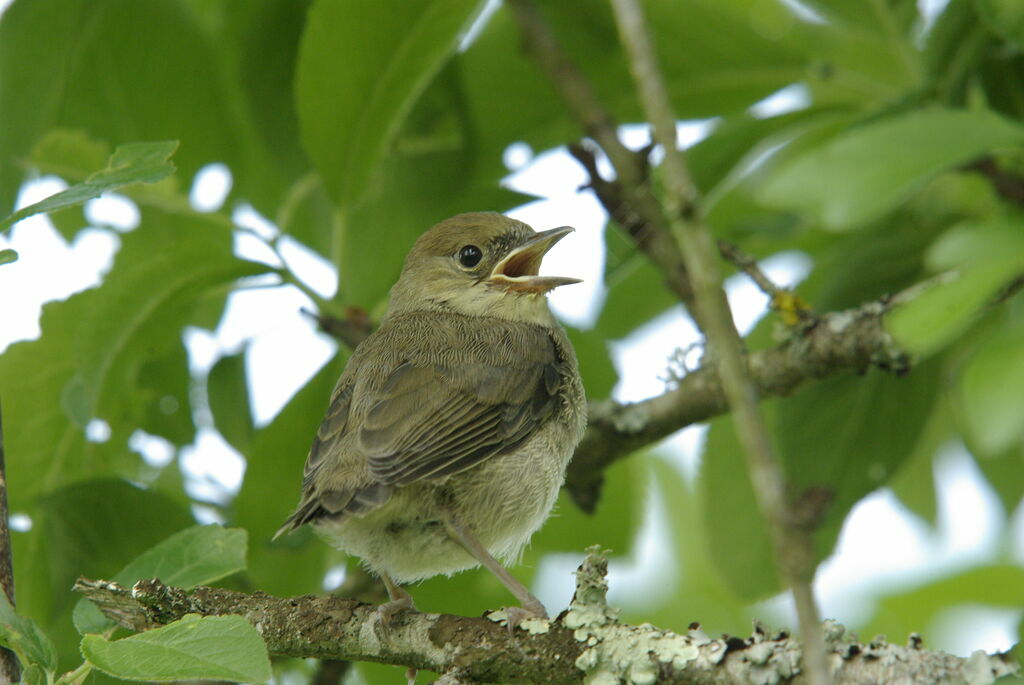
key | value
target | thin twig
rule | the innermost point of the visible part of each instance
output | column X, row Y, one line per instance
column 793, row 545
column 783, row 300
column 647, row 227
column 10, row 669
column 352, row 330
column 1008, row 185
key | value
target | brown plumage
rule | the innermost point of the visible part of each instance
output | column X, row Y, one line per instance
column 449, row 431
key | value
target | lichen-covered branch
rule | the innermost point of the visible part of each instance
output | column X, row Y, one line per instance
column 586, row 643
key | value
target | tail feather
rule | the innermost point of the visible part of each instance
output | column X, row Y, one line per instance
column 335, row 504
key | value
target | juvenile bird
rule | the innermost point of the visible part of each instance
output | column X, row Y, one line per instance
column 449, row 431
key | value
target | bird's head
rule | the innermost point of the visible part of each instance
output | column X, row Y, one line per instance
column 482, row 264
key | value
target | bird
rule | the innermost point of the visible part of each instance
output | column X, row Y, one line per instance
column 447, row 436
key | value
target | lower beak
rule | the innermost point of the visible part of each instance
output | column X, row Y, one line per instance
column 518, row 270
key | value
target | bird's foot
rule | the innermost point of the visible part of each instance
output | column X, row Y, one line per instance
column 516, row 617
column 387, row 611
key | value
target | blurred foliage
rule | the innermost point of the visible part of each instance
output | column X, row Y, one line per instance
column 353, row 126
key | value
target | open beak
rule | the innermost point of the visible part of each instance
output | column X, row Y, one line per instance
column 518, row 270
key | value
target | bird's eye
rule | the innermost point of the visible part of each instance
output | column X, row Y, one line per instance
column 470, row 256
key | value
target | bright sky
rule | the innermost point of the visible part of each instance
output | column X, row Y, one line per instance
column 881, row 543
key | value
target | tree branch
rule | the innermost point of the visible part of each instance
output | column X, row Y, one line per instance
column 851, row 340
column 585, row 644
column 792, row 539
column 10, row 669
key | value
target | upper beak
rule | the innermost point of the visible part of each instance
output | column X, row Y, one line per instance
column 518, row 270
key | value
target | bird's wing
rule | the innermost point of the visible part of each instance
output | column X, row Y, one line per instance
column 324, row 499
column 432, row 419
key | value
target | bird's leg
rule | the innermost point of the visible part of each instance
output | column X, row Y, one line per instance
column 464, row 536
column 399, row 599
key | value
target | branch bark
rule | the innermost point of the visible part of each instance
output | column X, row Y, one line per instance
column 10, row 669
column 586, row 643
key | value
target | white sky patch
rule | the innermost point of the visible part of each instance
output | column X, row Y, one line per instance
column 97, row 430
column 113, row 209
column 642, row 357
column 213, row 469
column 311, row 268
column 248, row 246
column 334, row 577
column 792, row 98
column 880, row 541
column 154, row 450
column 203, row 348
column 963, row 629
column 19, row 522
column 206, row 515
column 517, row 155
column 969, row 513
column 210, row 188
column 245, row 216
column 802, row 11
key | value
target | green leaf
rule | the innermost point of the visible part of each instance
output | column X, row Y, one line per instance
column 164, row 385
column 990, row 391
column 160, row 273
column 614, row 524
column 361, row 67
column 939, row 315
column 193, row 648
column 74, row 64
column 228, row 394
column 849, row 434
column 88, row 530
column 1005, row 474
column 98, row 348
column 92, row 528
column 131, row 163
column 295, row 563
column 8, row 256
column 737, row 540
column 914, row 482
column 596, row 367
column 906, row 612
column 701, row 590
column 433, row 186
column 69, row 153
column 822, row 434
column 636, row 290
column 867, row 171
column 1004, row 17
column 25, row 638
column 975, row 242
column 195, row 556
